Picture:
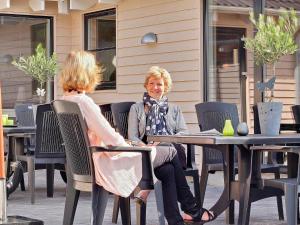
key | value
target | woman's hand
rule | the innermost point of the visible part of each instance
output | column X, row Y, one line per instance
column 136, row 143
column 152, row 143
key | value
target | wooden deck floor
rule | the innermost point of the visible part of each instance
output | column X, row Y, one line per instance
column 50, row 210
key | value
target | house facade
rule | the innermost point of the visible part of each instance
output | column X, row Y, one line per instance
column 198, row 42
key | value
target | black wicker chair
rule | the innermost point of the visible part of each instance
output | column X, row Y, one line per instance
column 80, row 167
column 212, row 115
column 48, row 149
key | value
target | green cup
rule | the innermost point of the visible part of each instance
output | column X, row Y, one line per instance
column 4, row 119
column 9, row 122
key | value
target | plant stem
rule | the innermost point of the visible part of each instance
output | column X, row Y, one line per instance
column 272, row 90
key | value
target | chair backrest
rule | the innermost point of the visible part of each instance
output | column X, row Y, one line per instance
column 107, row 113
column 296, row 113
column 74, row 132
column 212, row 115
column 49, row 142
column 25, row 114
column 120, row 112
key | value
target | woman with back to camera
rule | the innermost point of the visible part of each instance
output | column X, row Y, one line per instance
column 79, row 76
column 155, row 116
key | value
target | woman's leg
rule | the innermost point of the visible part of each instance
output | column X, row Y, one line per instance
column 164, row 154
column 185, row 197
column 184, row 194
column 166, row 174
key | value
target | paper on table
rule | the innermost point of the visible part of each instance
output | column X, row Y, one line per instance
column 212, row 132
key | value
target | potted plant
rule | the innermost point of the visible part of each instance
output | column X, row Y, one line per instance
column 40, row 67
column 274, row 38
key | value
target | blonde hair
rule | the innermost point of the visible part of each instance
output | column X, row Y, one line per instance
column 158, row 73
column 80, row 72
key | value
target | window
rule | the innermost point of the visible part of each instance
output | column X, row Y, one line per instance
column 100, row 39
column 19, row 36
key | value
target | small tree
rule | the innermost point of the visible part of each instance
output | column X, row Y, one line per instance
column 274, row 38
column 39, row 66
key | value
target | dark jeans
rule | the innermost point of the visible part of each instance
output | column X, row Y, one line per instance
column 175, row 189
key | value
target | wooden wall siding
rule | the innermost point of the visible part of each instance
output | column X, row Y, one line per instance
column 177, row 25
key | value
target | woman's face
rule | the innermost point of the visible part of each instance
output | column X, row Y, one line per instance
column 155, row 87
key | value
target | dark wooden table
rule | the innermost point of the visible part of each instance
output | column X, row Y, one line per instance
column 15, row 136
column 247, row 188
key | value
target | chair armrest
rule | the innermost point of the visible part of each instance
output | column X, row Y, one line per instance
column 290, row 127
column 120, row 149
column 20, row 135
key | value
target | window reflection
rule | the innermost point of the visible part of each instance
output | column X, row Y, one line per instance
column 19, row 36
column 230, row 68
column 100, row 39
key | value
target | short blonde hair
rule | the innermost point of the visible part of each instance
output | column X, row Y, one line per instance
column 80, row 72
column 158, row 73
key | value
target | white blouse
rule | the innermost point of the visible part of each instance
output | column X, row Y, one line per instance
column 119, row 173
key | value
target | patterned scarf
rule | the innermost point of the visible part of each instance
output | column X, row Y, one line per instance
column 156, row 122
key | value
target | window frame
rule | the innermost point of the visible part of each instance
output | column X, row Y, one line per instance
column 104, row 85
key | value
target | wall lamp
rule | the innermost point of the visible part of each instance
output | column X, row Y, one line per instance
column 149, row 38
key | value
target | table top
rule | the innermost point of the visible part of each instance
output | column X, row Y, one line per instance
column 225, row 140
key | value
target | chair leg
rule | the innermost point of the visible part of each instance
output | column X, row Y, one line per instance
column 279, row 200
column 197, row 186
column 99, row 202
column 31, row 178
column 72, row 197
column 203, row 183
column 291, row 193
column 22, row 182
column 159, row 202
column 116, row 209
column 50, row 179
column 141, row 214
column 125, row 210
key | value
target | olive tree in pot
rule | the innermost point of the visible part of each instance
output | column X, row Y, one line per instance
column 40, row 67
column 274, row 38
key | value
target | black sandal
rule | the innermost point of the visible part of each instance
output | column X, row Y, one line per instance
column 197, row 217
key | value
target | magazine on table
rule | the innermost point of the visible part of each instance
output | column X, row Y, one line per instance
column 212, row 132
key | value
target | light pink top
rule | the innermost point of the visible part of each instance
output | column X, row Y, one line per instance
column 118, row 173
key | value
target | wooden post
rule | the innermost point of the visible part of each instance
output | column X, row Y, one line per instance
column 3, row 215
column 2, row 168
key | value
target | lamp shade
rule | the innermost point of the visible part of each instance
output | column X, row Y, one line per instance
column 149, row 38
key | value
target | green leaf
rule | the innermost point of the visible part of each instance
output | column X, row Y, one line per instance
column 39, row 66
column 274, row 37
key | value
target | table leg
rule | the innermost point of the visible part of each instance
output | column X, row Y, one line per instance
column 292, row 162
column 225, row 199
column 245, row 173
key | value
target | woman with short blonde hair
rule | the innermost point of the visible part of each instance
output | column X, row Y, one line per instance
column 158, row 72
column 80, row 72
